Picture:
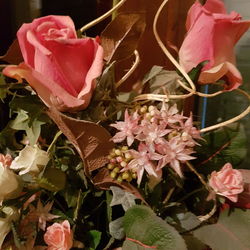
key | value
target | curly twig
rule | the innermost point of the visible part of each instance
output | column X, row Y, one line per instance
column 232, row 120
column 131, row 70
column 104, row 16
column 203, row 218
column 164, row 49
column 192, row 90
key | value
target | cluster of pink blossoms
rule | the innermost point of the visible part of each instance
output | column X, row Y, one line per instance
column 162, row 138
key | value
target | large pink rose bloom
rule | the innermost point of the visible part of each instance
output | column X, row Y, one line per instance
column 212, row 35
column 59, row 236
column 228, row 182
column 59, row 66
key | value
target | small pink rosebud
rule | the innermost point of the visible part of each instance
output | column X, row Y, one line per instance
column 227, row 182
column 59, row 236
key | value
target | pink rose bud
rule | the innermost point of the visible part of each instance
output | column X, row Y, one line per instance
column 228, row 182
column 60, row 67
column 212, row 35
column 59, row 236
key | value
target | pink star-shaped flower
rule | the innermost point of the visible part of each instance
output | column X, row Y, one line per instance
column 174, row 152
column 152, row 133
column 41, row 214
column 128, row 128
column 143, row 161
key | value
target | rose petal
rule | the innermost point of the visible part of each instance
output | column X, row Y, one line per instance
column 27, row 49
column 233, row 76
column 51, row 93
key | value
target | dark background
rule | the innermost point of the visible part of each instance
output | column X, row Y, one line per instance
column 15, row 12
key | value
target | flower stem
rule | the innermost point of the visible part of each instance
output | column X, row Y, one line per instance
column 191, row 167
column 54, row 140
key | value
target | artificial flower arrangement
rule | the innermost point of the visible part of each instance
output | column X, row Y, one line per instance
column 86, row 166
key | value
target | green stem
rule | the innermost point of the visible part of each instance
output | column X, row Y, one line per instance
column 54, row 140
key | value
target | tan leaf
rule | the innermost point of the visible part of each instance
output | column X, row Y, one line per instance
column 13, row 55
column 121, row 36
column 91, row 140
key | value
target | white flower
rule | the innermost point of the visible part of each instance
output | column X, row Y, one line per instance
column 10, row 183
column 30, row 160
column 5, row 223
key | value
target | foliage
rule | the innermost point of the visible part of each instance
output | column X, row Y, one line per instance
column 125, row 171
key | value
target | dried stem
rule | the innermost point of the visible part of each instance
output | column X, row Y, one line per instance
column 191, row 167
column 235, row 119
column 164, row 49
column 104, row 16
column 131, row 70
column 203, row 218
column 161, row 98
column 169, row 194
column 197, row 92
column 192, row 90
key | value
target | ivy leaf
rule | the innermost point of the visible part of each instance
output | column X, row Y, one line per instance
column 188, row 220
column 161, row 80
column 56, row 177
column 230, row 232
column 121, row 36
column 91, row 140
column 8, row 140
column 227, row 144
column 121, row 197
column 142, row 225
column 22, row 122
column 95, row 238
column 116, row 229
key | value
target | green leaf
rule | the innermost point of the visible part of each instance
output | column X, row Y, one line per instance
column 55, row 178
column 8, row 140
column 116, row 229
column 130, row 245
column 229, row 233
column 95, row 238
column 161, row 80
column 227, row 144
column 22, row 122
column 141, row 224
column 195, row 72
column 155, row 70
column 30, row 103
column 3, row 91
column 121, row 197
column 188, row 220
column 126, row 97
column 63, row 216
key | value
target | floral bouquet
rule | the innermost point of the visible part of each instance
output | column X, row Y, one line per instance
column 86, row 165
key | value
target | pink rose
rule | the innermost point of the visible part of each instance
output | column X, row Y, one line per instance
column 59, row 236
column 228, row 182
column 212, row 35
column 59, row 66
